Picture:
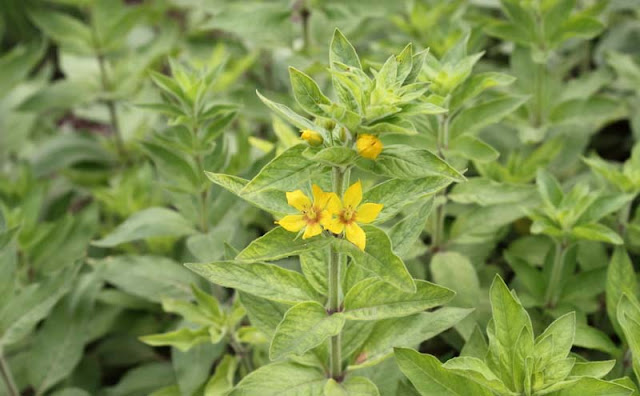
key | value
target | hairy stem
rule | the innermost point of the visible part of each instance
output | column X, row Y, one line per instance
column 335, row 263
column 7, row 376
column 553, row 288
column 437, row 236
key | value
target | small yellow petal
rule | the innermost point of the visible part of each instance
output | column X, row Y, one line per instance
column 320, row 197
column 311, row 137
column 334, row 206
column 333, row 224
column 353, row 195
column 312, row 230
column 369, row 146
column 293, row 223
column 356, row 235
column 368, row 212
column 298, row 200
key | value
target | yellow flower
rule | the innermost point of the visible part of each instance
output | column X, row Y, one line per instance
column 315, row 215
column 349, row 213
column 312, row 137
column 369, row 146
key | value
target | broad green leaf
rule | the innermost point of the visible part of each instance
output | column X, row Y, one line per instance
column 64, row 29
column 143, row 380
column 59, row 344
column 294, row 118
column 561, row 332
column 153, row 278
column 262, row 280
column 587, row 386
column 66, row 150
column 476, row 370
column 487, row 192
column 352, row 386
column 148, row 223
column 192, row 367
column 59, row 95
column 549, row 188
column 406, row 232
column 378, row 257
column 405, row 162
column 621, row 279
column 408, row 331
column 396, row 194
column 342, row 51
column 282, row 379
column 183, row 339
column 304, row 326
column 280, row 243
column 429, row 377
column 628, row 315
column 373, row 299
column 265, row 314
column 592, row 369
column 314, row 265
column 476, row 84
column 286, row 171
column 307, row 93
column 472, row 148
column 335, row 156
column 174, row 165
column 479, row 116
column 221, row 382
column 272, row 201
column 597, row 232
column 25, row 309
column 592, row 338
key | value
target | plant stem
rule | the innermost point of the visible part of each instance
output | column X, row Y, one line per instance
column 305, row 14
column 437, row 236
column 538, row 116
column 623, row 219
column 552, row 294
column 335, row 263
column 239, row 350
column 7, row 376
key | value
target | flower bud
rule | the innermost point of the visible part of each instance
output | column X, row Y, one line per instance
column 369, row 146
column 311, row 137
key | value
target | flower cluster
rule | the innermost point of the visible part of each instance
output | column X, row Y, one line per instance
column 328, row 212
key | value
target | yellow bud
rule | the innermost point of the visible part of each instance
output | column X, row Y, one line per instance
column 369, row 146
column 311, row 137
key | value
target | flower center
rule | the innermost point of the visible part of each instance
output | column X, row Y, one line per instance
column 348, row 215
column 312, row 215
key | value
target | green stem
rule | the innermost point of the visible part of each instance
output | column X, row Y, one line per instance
column 7, row 376
column 439, row 212
column 305, row 14
column 335, row 263
column 239, row 350
column 552, row 293
column 623, row 219
column 538, row 112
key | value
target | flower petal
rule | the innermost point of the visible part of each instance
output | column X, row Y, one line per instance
column 320, row 197
column 333, row 224
column 298, row 200
column 334, row 206
column 353, row 195
column 293, row 223
column 368, row 212
column 312, row 230
column 356, row 235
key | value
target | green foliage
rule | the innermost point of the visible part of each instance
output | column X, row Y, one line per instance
column 195, row 201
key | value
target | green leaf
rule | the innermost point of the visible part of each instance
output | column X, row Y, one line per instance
column 148, row 223
column 373, row 299
column 408, row 331
column 63, row 151
column 628, row 315
column 561, row 333
column 487, row 192
column 64, row 29
column 153, row 278
column 472, row 148
column 378, row 258
column 597, row 232
column 592, row 338
column 588, row 386
column 342, row 51
column 262, row 280
column 143, row 380
column 304, row 326
column 174, row 165
column 405, row 162
column 221, row 382
column 406, row 232
column 335, row 156
column 265, row 314
column 592, row 369
column 396, row 194
column 315, row 269
column 183, row 339
column 59, row 95
column 479, row 116
column 24, row 310
column 429, row 377
column 287, row 170
column 621, row 279
column 294, row 118
column 476, row 84
column 59, row 344
column 307, row 93
column 282, row 379
column 476, row 370
column 192, row 367
column 280, row 243
column 272, row 201
column 549, row 188
column 352, row 386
